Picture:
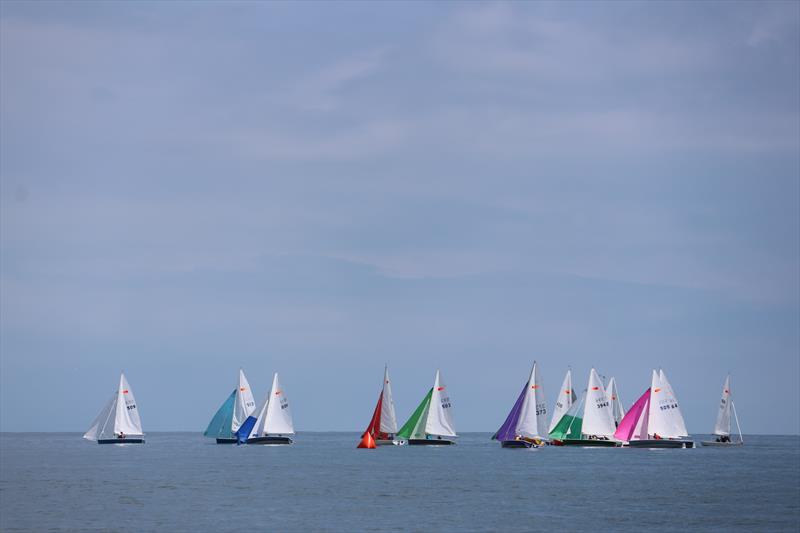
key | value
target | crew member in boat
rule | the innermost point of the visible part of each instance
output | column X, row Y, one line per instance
column 121, row 435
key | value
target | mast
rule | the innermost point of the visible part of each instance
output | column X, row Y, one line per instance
column 736, row 417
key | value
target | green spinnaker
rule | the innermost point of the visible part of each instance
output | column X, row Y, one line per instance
column 411, row 428
column 569, row 427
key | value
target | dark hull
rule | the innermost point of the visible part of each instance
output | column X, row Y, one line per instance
column 515, row 444
column 269, row 440
column 227, row 441
column 722, row 444
column 591, row 443
column 661, row 443
column 120, row 441
column 430, row 442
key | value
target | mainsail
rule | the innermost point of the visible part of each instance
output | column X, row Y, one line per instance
column 440, row 414
column 666, row 419
column 723, row 425
column 384, row 421
column 244, row 404
column 119, row 417
column 388, row 418
column 597, row 417
column 616, row 404
column 566, row 397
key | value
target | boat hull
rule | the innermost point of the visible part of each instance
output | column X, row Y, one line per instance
column 722, row 444
column 430, row 442
column 120, row 441
column 591, row 443
column 269, row 440
column 227, row 441
column 515, row 444
column 387, row 442
column 661, row 443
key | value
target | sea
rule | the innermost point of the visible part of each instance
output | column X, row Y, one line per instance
column 184, row 482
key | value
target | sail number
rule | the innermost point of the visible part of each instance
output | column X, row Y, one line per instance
column 130, row 407
column 284, row 403
column 541, row 409
column 668, row 406
column 446, row 402
column 602, row 404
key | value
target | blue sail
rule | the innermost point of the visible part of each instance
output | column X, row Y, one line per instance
column 245, row 429
column 220, row 425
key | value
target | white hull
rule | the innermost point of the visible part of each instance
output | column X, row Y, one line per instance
column 387, row 442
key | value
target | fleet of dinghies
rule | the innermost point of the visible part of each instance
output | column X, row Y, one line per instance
column 596, row 418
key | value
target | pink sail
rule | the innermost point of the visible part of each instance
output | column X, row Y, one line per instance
column 628, row 423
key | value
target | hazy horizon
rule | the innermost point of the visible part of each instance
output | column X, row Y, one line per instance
column 321, row 188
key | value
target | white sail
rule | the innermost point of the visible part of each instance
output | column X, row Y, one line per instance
column 440, row 413
column 723, row 425
column 616, row 403
column 566, row 397
column 532, row 421
column 126, row 418
column 597, row 417
column 665, row 419
column 388, row 416
column 275, row 417
column 103, row 425
column 244, row 405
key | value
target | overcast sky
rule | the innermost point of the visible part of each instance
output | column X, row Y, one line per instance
column 319, row 188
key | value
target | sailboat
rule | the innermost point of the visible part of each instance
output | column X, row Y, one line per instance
column 722, row 429
column 596, row 425
column 273, row 421
column 383, row 425
column 526, row 424
column 566, row 398
column 616, row 403
column 118, row 422
column 655, row 420
column 232, row 413
column 432, row 421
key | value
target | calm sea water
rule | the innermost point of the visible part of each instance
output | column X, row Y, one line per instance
column 181, row 482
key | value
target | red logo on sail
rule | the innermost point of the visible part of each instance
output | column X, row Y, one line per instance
column 657, row 390
column 125, row 391
column 595, row 388
column 440, row 388
column 242, row 389
column 277, row 392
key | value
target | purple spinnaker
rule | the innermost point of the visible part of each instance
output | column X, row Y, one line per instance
column 508, row 431
column 628, row 423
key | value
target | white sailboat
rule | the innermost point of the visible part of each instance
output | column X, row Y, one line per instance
column 432, row 421
column 566, row 397
column 273, row 423
column 655, row 420
column 616, row 403
column 722, row 428
column 118, row 422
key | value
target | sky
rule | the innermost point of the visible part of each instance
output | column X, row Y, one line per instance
column 322, row 188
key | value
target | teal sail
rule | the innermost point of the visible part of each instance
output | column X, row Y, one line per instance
column 220, row 425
